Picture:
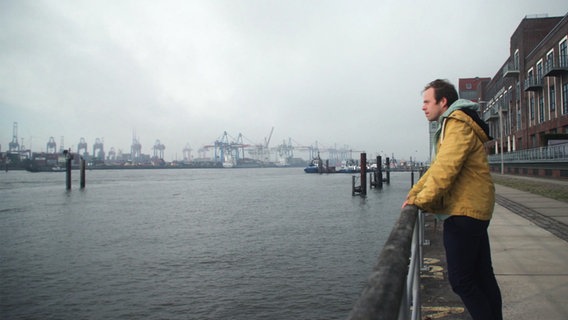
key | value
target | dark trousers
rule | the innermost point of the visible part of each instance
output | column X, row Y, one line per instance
column 469, row 266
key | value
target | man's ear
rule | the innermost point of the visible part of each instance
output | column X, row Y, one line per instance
column 444, row 102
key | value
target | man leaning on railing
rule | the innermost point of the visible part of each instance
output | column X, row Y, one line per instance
column 459, row 188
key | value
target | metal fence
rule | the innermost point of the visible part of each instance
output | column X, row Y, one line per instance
column 554, row 153
column 393, row 289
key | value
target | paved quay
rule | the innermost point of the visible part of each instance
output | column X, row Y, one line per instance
column 529, row 244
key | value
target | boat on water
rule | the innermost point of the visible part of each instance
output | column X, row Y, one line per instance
column 315, row 165
column 318, row 166
column 311, row 168
column 349, row 166
column 45, row 169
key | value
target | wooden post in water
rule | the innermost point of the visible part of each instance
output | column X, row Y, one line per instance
column 68, row 158
column 353, row 191
column 363, row 174
column 380, row 171
column 387, row 165
column 82, row 173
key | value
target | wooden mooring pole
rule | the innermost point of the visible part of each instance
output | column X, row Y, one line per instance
column 68, row 159
column 362, row 189
column 363, row 174
column 387, row 167
column 377, row 181
column 354, row 189
column 82, row 173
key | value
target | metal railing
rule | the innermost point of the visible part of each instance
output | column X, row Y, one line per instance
column 554, row 153
column 393, row 289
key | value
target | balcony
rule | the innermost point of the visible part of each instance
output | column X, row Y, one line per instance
column 511, row 70
column 553, row 68
column 533, row 84
column 491, row 113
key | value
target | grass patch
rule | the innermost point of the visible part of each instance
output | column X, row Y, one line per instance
column 541, row 188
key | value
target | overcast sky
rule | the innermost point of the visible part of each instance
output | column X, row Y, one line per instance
column 342, row 73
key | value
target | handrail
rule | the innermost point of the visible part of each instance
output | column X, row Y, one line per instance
column 393, row 289
column 553, row 153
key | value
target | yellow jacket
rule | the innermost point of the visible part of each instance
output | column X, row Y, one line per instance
column 458, row 181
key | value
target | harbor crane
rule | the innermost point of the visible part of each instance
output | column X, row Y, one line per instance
column 262, row 151
column 135, row 150
column 159, row 149
column 228, row 150
column 98, row 149
column 187, row 152
column 285, row 152
column 51, row 146
column 14, row 146
column 15, row 149
column 111, row 154
column 82, row 147
column 61, row 144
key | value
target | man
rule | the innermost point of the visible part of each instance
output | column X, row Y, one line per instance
column 458, row 188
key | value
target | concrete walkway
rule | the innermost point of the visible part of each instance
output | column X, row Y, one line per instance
column 529, row 239
column 529, row 245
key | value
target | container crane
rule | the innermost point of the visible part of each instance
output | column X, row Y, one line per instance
column 51, row 146
column 14, row 146
column 98, row 150
column 82, row 147
column 187, row 152
column 135, row 150
column 111, row 154
column 159, row 150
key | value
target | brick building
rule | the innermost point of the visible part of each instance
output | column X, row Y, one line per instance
column 529, row 94
column 472, row 88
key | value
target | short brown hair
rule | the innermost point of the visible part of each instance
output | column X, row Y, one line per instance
column 443, row 89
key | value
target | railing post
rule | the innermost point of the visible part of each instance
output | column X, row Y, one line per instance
column 387, row 296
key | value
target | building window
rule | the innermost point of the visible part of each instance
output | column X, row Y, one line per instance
column 541, row 109
column 552, row 99
column 539, row 72
column 565, row 98
column 549, row 60
column 563, row 53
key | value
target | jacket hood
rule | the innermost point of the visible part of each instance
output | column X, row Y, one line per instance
column 469, row 108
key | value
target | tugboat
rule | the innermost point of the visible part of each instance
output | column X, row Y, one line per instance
column 317, row 166
column 314, row 166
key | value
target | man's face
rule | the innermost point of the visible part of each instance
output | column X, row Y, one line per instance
column 431, row 109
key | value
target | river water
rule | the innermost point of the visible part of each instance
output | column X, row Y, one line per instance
column 272, row 243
